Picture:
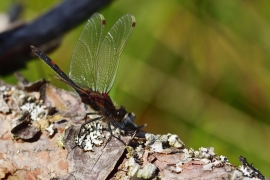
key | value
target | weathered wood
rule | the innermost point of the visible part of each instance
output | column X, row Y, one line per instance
column 53, row 153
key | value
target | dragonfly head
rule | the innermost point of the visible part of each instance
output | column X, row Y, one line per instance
column 120, row 113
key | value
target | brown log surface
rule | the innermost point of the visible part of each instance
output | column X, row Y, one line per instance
column 43, row 155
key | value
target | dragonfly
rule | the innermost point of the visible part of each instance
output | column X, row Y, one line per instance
column 93, row 69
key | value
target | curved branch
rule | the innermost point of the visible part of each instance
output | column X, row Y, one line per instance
column 15, row 44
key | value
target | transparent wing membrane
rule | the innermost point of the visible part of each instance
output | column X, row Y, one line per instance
column 111, row 50
column 83, row 66
column 95, row 60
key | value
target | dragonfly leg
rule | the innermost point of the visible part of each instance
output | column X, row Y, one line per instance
column 87, row 122
column 108, row 141
column 109, row 126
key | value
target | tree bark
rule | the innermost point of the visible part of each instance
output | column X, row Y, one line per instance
column 39, row 123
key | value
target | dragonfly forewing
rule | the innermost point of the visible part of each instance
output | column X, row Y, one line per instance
column 83, row 66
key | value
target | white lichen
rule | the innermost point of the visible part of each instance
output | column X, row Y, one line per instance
column 150, row 139
column 210, row 166
column 139, row 151
column 147, row 172
column 3, row 88
column 206, row 152
column 132, row 166
column 37, row 111
column 60, row 142
column 130, row 151
column 61, row 137
column 244, row 170
column 223, row 159
column 177, row 167
column 91, row 135
column 51, row 129
column 174, row 141
column 161, row 143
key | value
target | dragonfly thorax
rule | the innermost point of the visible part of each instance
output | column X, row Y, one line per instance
column 103, row 104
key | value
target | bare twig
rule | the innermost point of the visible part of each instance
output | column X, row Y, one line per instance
column 15, row 44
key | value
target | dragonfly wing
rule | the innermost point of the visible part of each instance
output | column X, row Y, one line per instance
column 83, row 66
column 111, row 50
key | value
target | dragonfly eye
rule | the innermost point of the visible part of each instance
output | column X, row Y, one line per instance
column 120, row 113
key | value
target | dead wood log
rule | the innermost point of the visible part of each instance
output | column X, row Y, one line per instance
column 39, row 123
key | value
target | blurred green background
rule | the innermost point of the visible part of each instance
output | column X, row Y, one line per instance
column 198, row 69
